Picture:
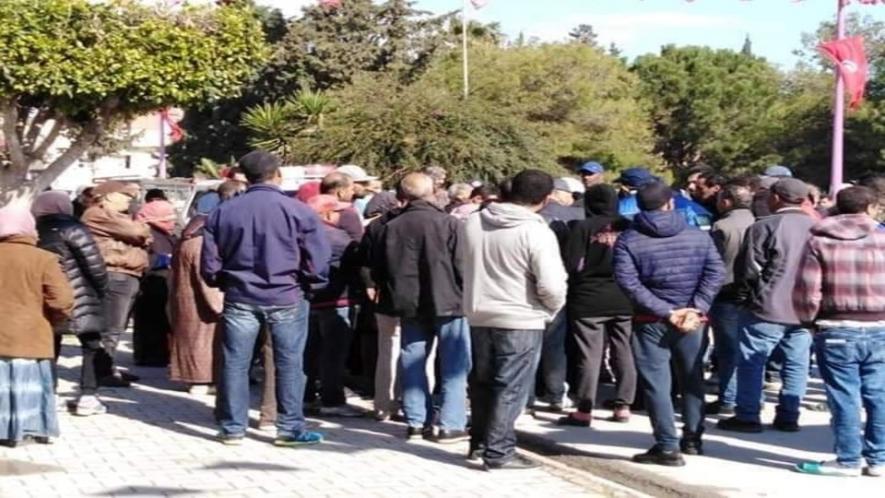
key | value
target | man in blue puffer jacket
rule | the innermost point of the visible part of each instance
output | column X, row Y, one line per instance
column 671, row 272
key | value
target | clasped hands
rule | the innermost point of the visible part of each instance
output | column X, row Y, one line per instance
column 686, row 320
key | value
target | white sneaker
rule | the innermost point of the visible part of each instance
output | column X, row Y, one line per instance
column 89, row 405
column 874, row 471
column 340, row 411
column 198, row 390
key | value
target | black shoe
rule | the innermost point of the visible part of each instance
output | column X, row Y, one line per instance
column 736, row 425
column 114, row 380
column 572, row 421
column 515, row 463
column 555, row 408
column 692, row 446
column 657, row 456
column 129, row 377
column 717, row 408
column 474, row 454
column 422, row 432
column 449, row 437
column 785, row 426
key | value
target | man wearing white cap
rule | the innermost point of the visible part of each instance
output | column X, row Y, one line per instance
column 362, row 192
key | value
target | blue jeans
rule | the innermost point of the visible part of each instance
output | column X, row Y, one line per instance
column 758, row 340
column 328, row 347
column 654, row 344
column 288, row 328
column 725, row 319
column 504, row 367
column 554, row 364
column 852, row 364
column 453, row 351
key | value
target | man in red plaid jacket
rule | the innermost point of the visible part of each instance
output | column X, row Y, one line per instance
column 841, row 291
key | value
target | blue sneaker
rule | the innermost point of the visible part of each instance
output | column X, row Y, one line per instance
column 828, row 469
column 305, row 438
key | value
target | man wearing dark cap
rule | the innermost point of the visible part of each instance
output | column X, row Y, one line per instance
column 671, row 272
column 766, row 273
column 632, row 179
column 262, row 249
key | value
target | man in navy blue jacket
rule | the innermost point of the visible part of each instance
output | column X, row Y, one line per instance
column 263, row 249
column 671, row 272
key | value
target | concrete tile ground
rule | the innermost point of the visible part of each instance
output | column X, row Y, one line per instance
column 735, row 465
column 158, row 441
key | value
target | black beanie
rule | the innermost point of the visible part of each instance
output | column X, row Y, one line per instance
column 653, row 196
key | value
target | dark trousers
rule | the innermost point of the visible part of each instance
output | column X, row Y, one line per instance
column 151, row 329
column 90, row 343
column 328, row 347
column 118, row 302
column 503, row 369
column 590, row 334
column 654, row 344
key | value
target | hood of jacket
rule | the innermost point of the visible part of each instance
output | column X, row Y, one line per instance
column 601, row 200
column 660, row 224
column 506, row 215
column 846, row 227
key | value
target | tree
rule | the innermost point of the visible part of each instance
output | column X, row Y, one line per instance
column 76, row 69
column 747, row 49
column 391, row 127
column 709, row 106
column 585, row 35
column 582, row 102
column 324, row 49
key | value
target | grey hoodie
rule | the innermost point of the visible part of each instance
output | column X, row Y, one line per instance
column 513, row 273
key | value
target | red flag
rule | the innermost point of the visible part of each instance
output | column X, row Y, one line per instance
column 850, row 56
column 176, row 132
column 330, row 4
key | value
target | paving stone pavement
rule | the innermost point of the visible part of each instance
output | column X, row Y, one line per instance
column 158, row 441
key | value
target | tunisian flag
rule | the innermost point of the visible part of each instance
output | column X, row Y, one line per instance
column 851, row 58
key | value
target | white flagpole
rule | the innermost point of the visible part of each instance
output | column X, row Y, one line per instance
column 464, row 49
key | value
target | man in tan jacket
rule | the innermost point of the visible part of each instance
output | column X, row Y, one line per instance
column 123, row 243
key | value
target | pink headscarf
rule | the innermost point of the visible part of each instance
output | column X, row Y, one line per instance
column 308, row 191
column 52, row 202
column 16, row 219
column 160, row 214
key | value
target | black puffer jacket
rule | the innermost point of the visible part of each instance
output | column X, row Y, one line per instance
column 81, row 261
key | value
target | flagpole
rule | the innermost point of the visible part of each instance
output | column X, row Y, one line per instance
column 836, row 178
column 464, row 49
column 161, row 169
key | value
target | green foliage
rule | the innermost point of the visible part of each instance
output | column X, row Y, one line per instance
column 708, row 106
column 274, row 124
column 391, row 128
column 76, row 57
column 580, row 101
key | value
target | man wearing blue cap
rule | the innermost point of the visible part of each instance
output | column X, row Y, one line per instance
column 592, row 173
column 632, row 179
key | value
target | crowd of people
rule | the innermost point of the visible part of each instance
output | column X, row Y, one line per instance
column 482, row 301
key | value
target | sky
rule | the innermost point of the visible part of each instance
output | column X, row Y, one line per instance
column 642, row 26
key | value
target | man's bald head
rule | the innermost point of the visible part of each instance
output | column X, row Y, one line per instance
column 339, row 185
column 415, row 187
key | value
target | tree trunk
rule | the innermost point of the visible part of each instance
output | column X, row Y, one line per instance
column 14, row 183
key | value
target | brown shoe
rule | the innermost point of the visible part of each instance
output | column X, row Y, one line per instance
column 621, row 414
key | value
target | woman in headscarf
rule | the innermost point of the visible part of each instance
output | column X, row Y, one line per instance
column 151, row 329
column 35, row 295
column 195, row 308
column 81, row 261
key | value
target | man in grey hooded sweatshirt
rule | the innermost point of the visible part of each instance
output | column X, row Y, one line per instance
column 514, row 283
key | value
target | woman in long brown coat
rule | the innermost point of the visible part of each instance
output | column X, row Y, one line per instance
column 195, row 308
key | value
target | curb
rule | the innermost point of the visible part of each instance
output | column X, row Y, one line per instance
column 610, row 477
